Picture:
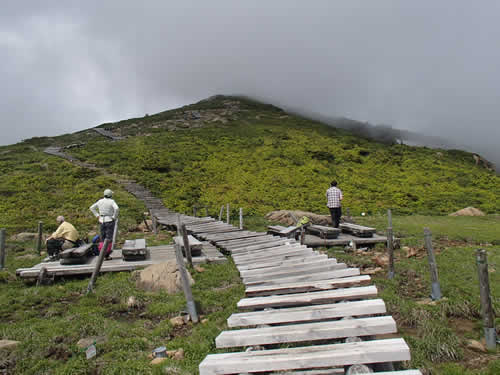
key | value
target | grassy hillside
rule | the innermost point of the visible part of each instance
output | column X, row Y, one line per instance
column 255, row 156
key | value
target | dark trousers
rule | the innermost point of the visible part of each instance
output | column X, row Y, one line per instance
column 54, row 246
column 107, row 230
column 336, row 213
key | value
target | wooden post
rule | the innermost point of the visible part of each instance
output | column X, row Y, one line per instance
column 220, row 212
column 2, row 248
column 194, row 211
column 41, row 276
column 390, row 249
column 389, row 218
column 302, row 235
column 227, row 213
column 153, row 222
column 187, row 246
column 98, row 266
column 486, row 307
column 436, row 288
column 39, row 241
column 191, row 307
column 115, row 231
column 241, row 218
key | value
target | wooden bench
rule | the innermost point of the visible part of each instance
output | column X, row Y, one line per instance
column 322, row 231
column 76, row 255
column 357, row 230
column 134, row 250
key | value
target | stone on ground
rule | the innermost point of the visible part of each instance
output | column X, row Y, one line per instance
column 8, row 344
column 287, row 217
column 468, row 211
column 164, row 276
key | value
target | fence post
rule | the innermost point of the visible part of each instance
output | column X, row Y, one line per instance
column 39, row 241
column 115, row 231
column 486, row 307
column 436, row 288
column 302, row 235
column 389, row 218
column 241, row 218
column 390, row 248
column 220, row 212
column 191, row 307
column 153, row 222
column 2, row 248
column 187, row 246
column 98, row 266
column 227, row 213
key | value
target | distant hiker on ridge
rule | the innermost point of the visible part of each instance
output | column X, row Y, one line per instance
column 333, row 202
column 106, row 210
column 65, row 237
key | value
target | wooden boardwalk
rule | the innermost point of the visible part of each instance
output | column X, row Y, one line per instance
column 108, row 134
column 157, row 254
column 325, row 313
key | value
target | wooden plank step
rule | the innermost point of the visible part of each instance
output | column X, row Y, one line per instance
column 307, row 286
column 267, row 249
column 193, row 242
column 282, row 253
column 270, row 243
column 297, row 271
column 313, row 298
column 245, row 241
column 290, row 267
column 357, row 230
column 277, row 263
column 309, row 277
column 235, row 236
column 307, row 332
column 340, row 371
column 335, row 355
column 308, row 313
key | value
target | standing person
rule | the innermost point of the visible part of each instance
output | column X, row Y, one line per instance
column 106, row 210
column 65, row 237
column 333, row 202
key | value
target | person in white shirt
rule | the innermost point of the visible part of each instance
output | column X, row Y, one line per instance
column 106, row 210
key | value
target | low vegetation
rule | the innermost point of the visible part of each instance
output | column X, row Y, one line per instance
column 257, row 157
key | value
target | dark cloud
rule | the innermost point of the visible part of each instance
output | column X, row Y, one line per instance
column 424, row 66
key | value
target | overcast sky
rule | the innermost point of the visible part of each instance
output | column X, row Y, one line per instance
column 428, row 66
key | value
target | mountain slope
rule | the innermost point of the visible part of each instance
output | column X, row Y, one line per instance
column 251, row 155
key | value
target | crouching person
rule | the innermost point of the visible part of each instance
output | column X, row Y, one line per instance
column 65, row 237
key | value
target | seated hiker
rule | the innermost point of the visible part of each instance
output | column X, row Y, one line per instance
column 65, row 237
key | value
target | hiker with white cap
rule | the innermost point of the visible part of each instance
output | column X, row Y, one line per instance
column 106, row 210
column 65, row 237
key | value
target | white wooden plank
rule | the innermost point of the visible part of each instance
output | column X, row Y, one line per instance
column 307, row 314
column 265, row 252
column 277, row 263
column 376, row 351
column 307, row 286
column 313, row 298
column 297, row 271
column 307, row 332
column 309, row 277
column 270, row 243
column 287, row 254
column 290, row 267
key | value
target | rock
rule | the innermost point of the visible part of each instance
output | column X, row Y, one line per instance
column 476, row 346
column 132, row 302
column 371, row 271
column 162, row 276
column 287, row 217
column 142, row 227
column 203, row 321
column 179, row 354
column 8, row 344
column 87, row 341
column 172, row 370
column 24, row 236
column 410, row 251
column 381, row 260
column 159, row 360
column 426, row 301
column 199, row 269
column 468, row 211
column 177, row 321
